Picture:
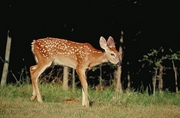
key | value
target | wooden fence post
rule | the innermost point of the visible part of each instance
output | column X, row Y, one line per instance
column 6, row 61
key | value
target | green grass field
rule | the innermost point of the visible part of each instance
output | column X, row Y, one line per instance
column 15, row 103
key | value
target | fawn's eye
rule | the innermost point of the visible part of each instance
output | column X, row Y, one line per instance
column 112, row 54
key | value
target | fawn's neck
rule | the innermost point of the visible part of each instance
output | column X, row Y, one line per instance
column 97, row 59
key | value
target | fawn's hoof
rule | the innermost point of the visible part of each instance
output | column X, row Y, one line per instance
column 33, row 97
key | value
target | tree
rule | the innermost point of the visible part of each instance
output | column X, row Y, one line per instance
column 154, row 59
column 118, row 72
column 65, row 77
column 173, row 57
column 73, row 79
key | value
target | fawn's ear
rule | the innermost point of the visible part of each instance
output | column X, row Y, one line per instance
column 110, row 42
column 103, row 43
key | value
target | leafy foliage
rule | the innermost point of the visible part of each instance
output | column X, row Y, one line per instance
column 153, row 57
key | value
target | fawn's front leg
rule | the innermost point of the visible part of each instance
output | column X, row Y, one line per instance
column 82, row 77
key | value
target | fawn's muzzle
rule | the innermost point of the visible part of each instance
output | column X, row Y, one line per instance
column 119, row 63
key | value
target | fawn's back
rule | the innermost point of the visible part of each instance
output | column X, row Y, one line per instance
column 62, row 52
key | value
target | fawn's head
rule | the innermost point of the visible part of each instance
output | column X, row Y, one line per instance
column 109, row 47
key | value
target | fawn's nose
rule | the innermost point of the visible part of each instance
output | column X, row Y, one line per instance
column 119, row 63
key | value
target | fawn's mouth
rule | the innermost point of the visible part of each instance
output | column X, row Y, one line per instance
column 119, row 64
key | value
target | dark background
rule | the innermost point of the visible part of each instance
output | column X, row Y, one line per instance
column 146, row 25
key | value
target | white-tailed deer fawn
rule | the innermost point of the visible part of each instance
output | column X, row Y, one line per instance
column 80, row 56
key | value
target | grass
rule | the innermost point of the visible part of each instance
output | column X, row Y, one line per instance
column 15, row 103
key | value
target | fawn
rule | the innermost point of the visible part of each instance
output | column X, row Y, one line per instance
column 80, row 56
